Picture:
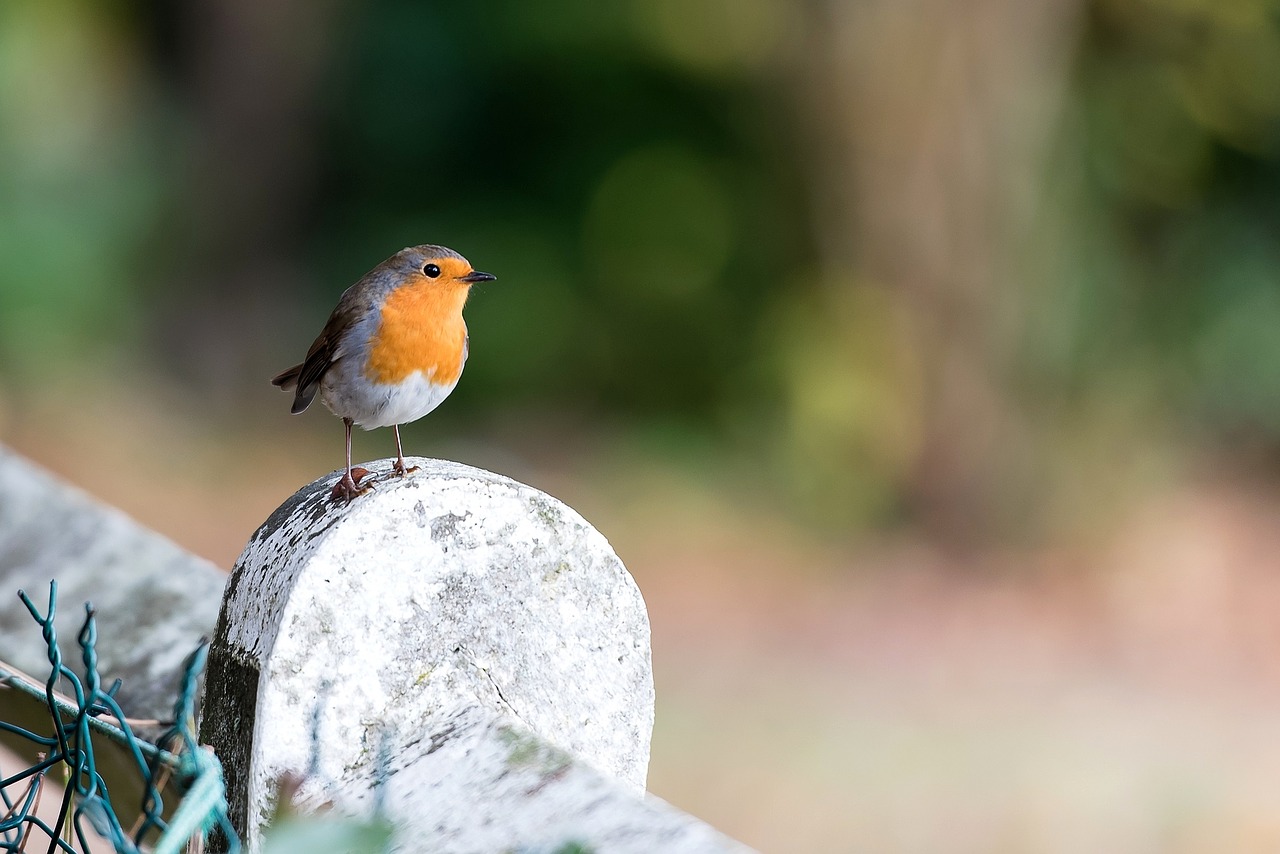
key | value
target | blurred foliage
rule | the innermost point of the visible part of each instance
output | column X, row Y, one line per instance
column 1179, row 116
column 80, row 143
column 328, row 835
column 706, row 216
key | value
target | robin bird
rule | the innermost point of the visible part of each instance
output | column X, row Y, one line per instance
column 393, row 348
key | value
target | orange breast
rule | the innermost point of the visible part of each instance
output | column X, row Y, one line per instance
column 421, row 330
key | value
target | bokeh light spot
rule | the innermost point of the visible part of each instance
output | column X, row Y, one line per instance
column 718, row 36
column 659, row 225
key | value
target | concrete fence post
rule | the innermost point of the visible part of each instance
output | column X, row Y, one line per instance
column 154, row 600
column 457, row 652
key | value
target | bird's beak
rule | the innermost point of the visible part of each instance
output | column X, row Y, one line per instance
column 476, row 276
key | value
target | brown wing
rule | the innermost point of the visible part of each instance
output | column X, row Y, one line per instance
column 305, row 378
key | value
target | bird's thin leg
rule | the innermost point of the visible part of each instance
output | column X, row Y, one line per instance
column 399, row 467
column 346, row 423
column 346, row 487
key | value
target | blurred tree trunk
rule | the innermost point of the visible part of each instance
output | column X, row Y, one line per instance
column 251, row 71
column 930, row 123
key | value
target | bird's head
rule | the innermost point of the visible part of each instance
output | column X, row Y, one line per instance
column 438, row 266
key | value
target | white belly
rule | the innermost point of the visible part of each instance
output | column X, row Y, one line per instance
column 372, row 405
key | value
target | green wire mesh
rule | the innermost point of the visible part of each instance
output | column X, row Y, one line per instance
column 69, row 760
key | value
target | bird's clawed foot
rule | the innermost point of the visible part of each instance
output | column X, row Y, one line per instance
column 398, row 467
column 348, row 486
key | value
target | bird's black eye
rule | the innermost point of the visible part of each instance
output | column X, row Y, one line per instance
column 431, row 271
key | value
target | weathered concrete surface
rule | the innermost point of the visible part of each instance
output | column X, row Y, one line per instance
column 377, row 624
column 485, row 783
column 154, row 601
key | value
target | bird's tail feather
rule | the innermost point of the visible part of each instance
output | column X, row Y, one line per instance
column 288, row 381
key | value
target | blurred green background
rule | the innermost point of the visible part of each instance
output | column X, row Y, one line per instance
column 818, row 280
